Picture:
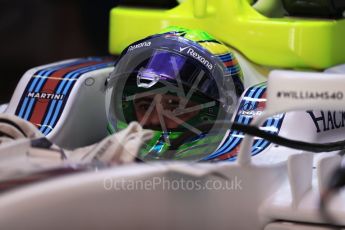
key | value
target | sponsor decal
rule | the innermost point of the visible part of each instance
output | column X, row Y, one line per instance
column 140, row 45
column 199, row 57
column 306, row 95
column 248, row 109
column 252, row 113
column 328, row 120
column 41, row 95
column 183, row 48
column 47, row 92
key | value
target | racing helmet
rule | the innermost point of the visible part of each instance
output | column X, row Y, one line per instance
column 183, row 84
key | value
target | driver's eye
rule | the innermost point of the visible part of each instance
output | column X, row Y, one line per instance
column 171, row 107
column 171, row 104
column 143, row 105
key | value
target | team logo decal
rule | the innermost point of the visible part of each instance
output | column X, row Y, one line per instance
column 48, row 90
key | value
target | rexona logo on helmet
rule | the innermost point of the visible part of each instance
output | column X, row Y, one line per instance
column 181, row 83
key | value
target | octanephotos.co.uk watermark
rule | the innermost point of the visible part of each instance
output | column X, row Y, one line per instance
column 172, row 184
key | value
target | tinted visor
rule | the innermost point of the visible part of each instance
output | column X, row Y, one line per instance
column 166, row 66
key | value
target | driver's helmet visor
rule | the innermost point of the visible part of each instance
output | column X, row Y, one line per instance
column 174, row 95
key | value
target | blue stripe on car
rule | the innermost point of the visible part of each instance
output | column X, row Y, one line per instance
column 64, row 89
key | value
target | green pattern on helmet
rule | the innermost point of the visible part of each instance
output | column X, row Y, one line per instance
column 192, row 149
column 190, row 34
column 155, row 149
column 175, row 29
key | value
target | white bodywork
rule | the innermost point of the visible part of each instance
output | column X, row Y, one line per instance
column 275, row 190
column 83, row 121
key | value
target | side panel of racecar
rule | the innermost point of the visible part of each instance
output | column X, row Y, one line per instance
column 65, row 100
column 309, row 126
column 251, row 105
